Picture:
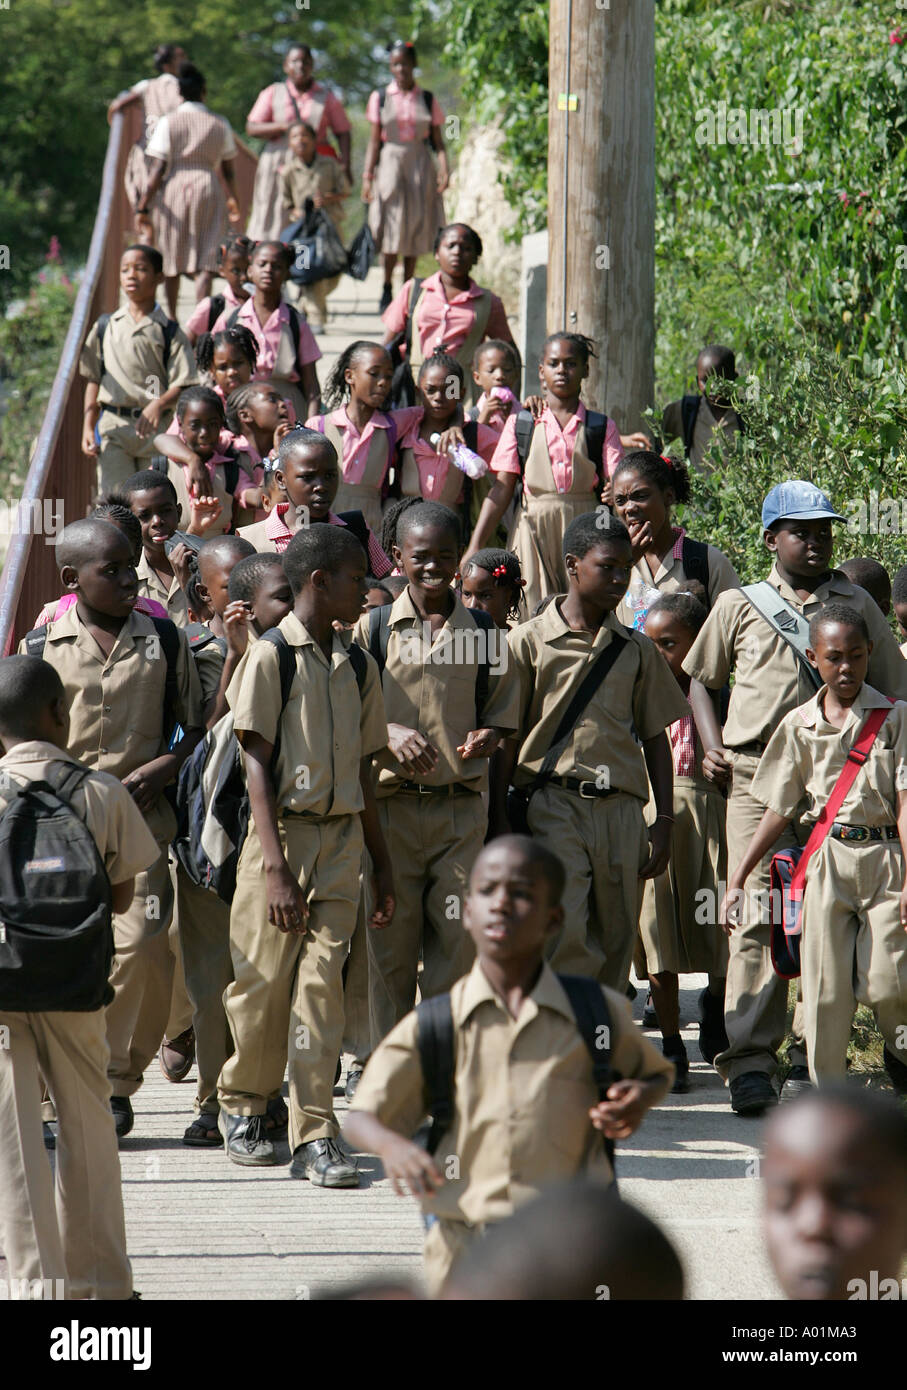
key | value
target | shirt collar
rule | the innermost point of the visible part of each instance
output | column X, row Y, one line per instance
column 433, row 282
column 868, row 698
column 548, row 993
column 275, row 526
column 403, row 610
column 71, row 625
column 298, row 635
column 553, row 625
column 679, row 533
column 837, row 583
column 36, row 750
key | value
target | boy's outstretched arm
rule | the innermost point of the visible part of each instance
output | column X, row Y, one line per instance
column 501, row 775
column 627, row 1103
column 715, row 766
column 287, row 907
column 409, row 1167
column 385, row 901
column 766, row 833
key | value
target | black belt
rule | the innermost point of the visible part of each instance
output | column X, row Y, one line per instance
column 588, row 790
column 132, row 412
column 863, row 834
column 753, row 750
column 451, row 789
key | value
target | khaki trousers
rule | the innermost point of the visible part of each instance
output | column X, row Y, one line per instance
column 433, row 840
column 180, row 1004
column 755, row 998
column 356, row 1035
column 204, row 931
column 286, row 1000
column 445, row 1243
column 122, row 452
column 853, row 950
column 77, row 1233
column 602, row 843
column 142, row 978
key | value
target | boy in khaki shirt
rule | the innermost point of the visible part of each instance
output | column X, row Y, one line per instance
column 114, row 672
column 79, row 1240
column 526, row 1107
column 134, row 376
column 297, row 885
column 854, row 916
column 770, row 682
column 591, row 809
column 433, row 770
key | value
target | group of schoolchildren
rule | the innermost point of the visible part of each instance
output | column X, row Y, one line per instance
column 486, row 767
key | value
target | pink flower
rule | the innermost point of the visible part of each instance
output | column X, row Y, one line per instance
column 53, row 253
column 895, row 36
column 844, row 199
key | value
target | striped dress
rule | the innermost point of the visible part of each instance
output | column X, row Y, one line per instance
column 191, row 213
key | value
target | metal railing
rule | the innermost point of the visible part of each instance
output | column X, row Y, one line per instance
column 58, row 469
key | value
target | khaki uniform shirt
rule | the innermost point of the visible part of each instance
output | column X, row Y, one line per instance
column 173, row 599
column 116, row 703
column 523, row 1089
column 638, row 695
column 806, row 755
column 318, row 765
column 768, row 678
column 124, row 841
column 433, row 689
column 671, row 577
column 300, row 181
column 133, row 351
column 706, row 430
column 209, row 663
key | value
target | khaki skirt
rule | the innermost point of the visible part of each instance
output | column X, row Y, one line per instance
column 537, row 540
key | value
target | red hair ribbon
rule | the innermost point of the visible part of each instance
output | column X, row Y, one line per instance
column 500, row 572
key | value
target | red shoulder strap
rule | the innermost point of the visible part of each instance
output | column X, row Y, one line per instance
column 846, row 778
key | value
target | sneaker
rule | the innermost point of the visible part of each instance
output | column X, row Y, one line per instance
column 796, row 1082
column 325, row 1164
column 177, row 1055
column 897, row 1072
column 387, row 295
column 244, row 1140
column 712, row 1034
column 353, row 1077
column 123, row 1117
column 752, row 1093
column 49, row 1128
column 674, row 1050
column 649, row 1016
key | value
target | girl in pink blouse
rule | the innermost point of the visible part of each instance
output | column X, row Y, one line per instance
column 364, row 436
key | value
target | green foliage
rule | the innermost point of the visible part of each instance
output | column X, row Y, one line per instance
column 30, row 344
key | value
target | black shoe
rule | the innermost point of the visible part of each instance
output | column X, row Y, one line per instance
column 387, row 295
column 325, row 1164
column 796, row 1082
column 897, row 1071
column 123, row 1117
column 631, row 992
column 649, row 1016
column 353, row 1077
column 245, row 1141
column 712, row 1034
column 674, row 1050
column 752, row 1093
column 339, row 1070
column 277, row 1118
column 50, row 1133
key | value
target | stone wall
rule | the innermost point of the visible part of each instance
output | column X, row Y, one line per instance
column 476, row 197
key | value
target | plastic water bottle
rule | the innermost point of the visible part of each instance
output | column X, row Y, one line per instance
column 464, row 459
column 639, row 599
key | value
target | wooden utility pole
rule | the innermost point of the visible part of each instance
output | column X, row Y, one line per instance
column 601, row 194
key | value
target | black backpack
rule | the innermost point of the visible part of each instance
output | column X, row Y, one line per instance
column 216, row 305
column 596, row 426
column 212, row 799
column 403, row 385
column 56, row 941
column 379, row 632
column 435, row 1041
column 695, row 562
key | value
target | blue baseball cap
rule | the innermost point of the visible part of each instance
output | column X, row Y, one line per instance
column 796, row 500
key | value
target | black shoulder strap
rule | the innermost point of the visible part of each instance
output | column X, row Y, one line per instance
column 429, row 99
column 358, row 525
column 160, row 463
column 170, row 645
column 35, row 640
column 295, row 334
column 215, row 308
column 695, row 560
column 171, row 327
column 689, row 409
column 587, row 687
column 596, row 430
column 435, row 1040
column 408, row 326
column 359, row 663
column 232, row 320
column 286, row 660
column 593, row 1021
column 378, row 634
column 103, row 320
column 482, row 620
column 523, row 427
column 471, row 433
column 64, row 782
column 231, row 469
